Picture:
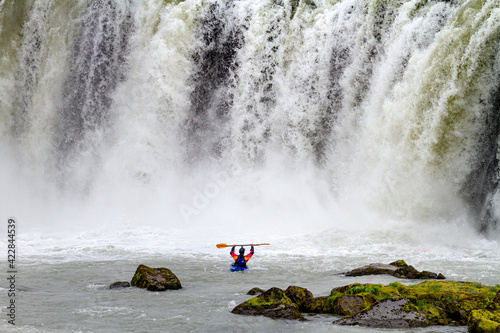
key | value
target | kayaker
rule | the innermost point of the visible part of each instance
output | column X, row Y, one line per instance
column 241, row 260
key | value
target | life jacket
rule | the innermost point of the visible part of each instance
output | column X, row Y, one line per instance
column 240, row 262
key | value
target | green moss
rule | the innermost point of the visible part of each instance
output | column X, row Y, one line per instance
column 378, row 291
column 333, row 296
column 409, row 307
column 135, row 280
column 484, row 321
column 399, row 263
column 268, row 299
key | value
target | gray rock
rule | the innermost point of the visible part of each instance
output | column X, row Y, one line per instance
column 387, row 313
column 373, row 269
column 399, row 269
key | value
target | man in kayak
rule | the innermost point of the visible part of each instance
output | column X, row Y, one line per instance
column 241, row 260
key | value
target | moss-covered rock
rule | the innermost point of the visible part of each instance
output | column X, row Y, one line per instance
column 495, row 303
column 440, row 302
column 299, row 296
column 155, row 279
column 317, row 305
column 424, row 304
column 447, row 302
column 484, row 321
column 272, row 299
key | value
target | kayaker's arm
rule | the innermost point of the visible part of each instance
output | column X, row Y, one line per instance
column 234, row 255
column 248, row 256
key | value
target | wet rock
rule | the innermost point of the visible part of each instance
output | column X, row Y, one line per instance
column 119, row 285
column 298, row 295
column 155, row 279
column 349, row 305
column 272, row 299
column 373, row 269
column 387, row 313
column 317, row 305
column 399, row 269
column 426, row 275
column 255, row 291
column 284, row 311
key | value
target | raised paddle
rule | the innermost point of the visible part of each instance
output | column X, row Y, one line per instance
column 222, row 245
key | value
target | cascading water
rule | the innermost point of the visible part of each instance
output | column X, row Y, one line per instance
column 289, row 116
column 396, row 102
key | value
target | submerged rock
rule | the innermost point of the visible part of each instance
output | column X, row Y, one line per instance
column 119, row 285
column 272, row 303
column 387, row 313
column 155, row 279
column 399, row 269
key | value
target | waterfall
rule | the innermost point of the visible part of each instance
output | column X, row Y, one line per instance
column 394, row 104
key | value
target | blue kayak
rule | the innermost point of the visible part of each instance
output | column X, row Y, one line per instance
column 237, row 268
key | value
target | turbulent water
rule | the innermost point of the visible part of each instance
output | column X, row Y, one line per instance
column 146, row 131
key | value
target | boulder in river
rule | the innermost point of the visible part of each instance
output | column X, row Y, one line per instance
column 399, row 269
column 299, row 296
column 272, row 303
column 155, row 279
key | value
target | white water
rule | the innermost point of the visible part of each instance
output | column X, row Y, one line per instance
column 343, row 135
